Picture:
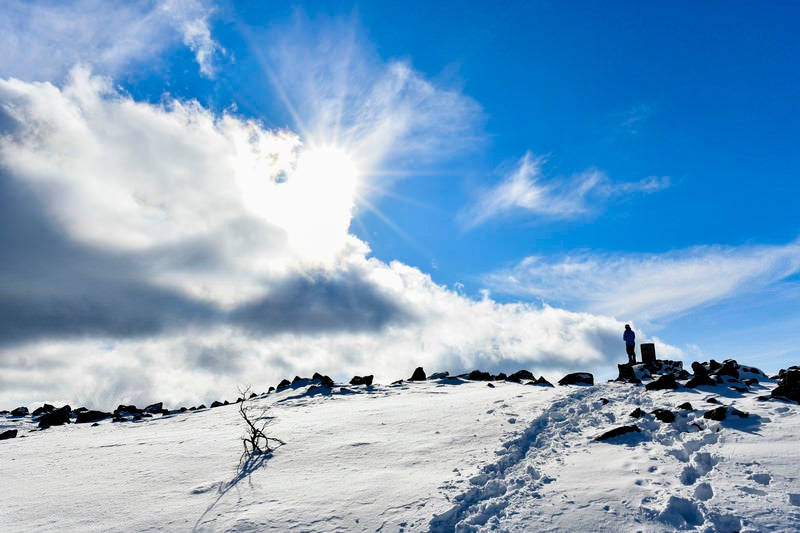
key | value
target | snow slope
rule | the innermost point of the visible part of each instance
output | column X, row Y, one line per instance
column 430, row 456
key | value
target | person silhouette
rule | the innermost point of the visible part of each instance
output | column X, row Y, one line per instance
column 630, row 343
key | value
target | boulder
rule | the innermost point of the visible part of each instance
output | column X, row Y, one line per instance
column 664, row 415
column 9, row 434
column 57, row 417
column 127, row 410
column 729, row 368
column 616, row 432
column 418, row 375
column 719, row 414
column 477, row 375
column 20, row 411
column 519, row 375
column 440, row 375
column 85, row 417
column 156, row 409
column 362, row 380
column 626, row 372
column 577, row 378
column 46, row 408
column 637, row 413
column 283, row 384
column 686, row 406
column 667, row 381
column 542, row 382
column 788, row 384
column 324, row 380
column 216, row 404
column 501, row 376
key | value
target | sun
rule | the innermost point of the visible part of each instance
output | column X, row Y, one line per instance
column 323, row 187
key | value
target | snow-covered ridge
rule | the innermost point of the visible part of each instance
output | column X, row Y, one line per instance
column 443, row 454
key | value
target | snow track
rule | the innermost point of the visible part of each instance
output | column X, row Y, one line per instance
column 669, row 476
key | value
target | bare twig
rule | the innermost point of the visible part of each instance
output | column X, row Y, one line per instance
column 255, row 440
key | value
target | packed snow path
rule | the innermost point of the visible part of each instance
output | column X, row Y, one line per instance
column 431, row 456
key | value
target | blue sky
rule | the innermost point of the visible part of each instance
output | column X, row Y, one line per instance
column 362, row 188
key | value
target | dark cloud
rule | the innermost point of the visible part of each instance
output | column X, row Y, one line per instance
column 306, row 304
column 54, row 287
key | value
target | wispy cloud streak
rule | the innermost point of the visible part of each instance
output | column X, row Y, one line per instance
column 526, row 190
column 650, row 287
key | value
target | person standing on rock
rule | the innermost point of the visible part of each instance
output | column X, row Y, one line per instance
column 630, row 343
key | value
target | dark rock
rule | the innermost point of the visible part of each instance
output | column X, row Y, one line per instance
column 664, row 415
column 85, row 417
column 418, row 375
column 686, row 406
column 750, row 381
column 46, row 408
column 711, row 399
column 542, row 382
column 283, row 384
column 519, row 375
column 20, row 411
column 637, row 413
column 699, row 370
column 216, row 403
column 697, row 380
column 719, row 413
column 577, row 378
column 271, row 389
column 616, row 432
column 156, row 409
column 751, row 370
column 57, row 417
column 253, row 395
column 626, row 372
column 788, row 384
column 729, row 368
column 713, row 366
column 440, row 375
column 326, row 381
column 491, row 385
column 362, row 380
column 667, row 381
column 201, row 406
column 740, row 388
column 477, row 375
column 127, row 410
column 604, row 401
column 501, row 376
column 9, row 434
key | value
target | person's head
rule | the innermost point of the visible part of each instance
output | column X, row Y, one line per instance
column 627, row 326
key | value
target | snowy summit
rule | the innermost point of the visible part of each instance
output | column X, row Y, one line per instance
column 446, row 453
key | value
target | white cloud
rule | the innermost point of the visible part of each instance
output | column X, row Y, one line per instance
column 42, row 40
column 527, row 190
column 148, row 256
column 650, row 287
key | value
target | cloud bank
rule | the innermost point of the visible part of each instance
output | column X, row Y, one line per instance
column 150, row 252
column 650, row 287
column 526, row 190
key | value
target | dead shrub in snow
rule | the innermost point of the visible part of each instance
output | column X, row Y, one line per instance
column 255, row 440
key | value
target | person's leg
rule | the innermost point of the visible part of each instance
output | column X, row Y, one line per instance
column 631, row 349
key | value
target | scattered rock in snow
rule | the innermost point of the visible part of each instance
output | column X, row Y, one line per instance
column 664, row 415
column 57, row 417
column 616, row 432
column 283, row 384
column 788, row 384
column 418, row 375
column 216, row 403
column 10, row 434
column 542, row 382
column 667, row 381
column 156, row 409
column 362, row 380
column 686, row 406
column 85, row 417
column 46, row 408
column 637, row 413
column 577, row 378
column 440, row 375
column 478, row 375
column 519, row 375
column 20, row 411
